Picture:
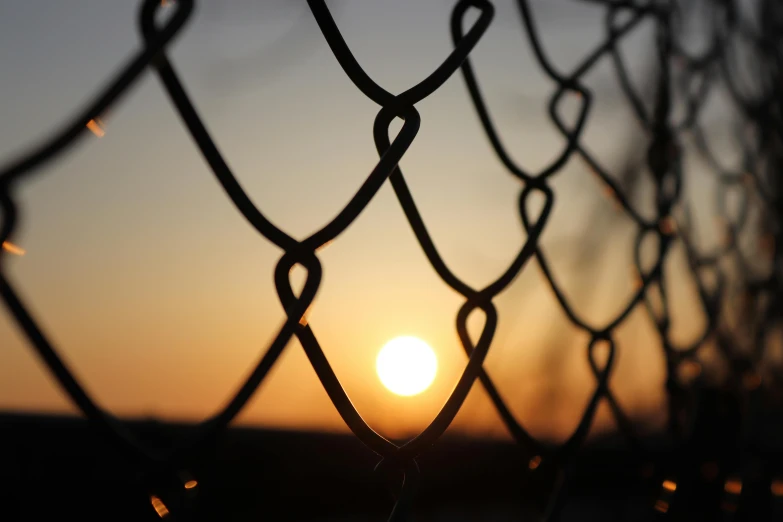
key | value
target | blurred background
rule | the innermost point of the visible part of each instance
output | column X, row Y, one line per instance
column 161, row 297
column 130, row 232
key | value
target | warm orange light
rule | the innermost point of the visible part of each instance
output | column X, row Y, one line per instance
column 406, row 366
column 636, row 279
column 733, row 486
column 96, row 126
column 160, row 507
column 13, row 249
column 303, row 319
column 669, row 485
column 609, row 193
column 534, row 462
column 689, row 370
column 662, row 506
column 190, row 484
column 667, row 225
column 777, row 488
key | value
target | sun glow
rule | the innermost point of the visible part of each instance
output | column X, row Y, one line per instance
column 406, row 366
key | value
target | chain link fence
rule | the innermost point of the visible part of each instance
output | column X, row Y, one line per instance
column 738, row 284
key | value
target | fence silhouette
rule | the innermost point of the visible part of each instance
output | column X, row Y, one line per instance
column 741, row 302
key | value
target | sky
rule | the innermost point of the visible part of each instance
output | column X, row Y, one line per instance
column 160, row 296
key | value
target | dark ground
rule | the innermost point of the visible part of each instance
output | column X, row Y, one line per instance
column 57, row 468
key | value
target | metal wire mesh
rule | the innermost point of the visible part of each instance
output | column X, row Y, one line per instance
column 739, row 286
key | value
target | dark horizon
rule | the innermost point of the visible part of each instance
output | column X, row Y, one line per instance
column 320, row 477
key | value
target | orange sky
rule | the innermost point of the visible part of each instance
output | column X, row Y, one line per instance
column 162, row 298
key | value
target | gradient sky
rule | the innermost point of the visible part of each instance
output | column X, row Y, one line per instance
column 160, row 295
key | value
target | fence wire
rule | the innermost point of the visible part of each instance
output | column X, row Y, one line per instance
column 739, row 287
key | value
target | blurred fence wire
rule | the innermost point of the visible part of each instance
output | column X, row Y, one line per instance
column 738, row 283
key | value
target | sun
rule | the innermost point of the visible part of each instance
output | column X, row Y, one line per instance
column 406, row 366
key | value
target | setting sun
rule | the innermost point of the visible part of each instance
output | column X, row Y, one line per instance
column 406, row 366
